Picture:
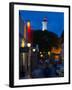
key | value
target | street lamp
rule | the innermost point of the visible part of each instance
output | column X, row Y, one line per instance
column 41, row 55
column 29, row 57
column 49, row 53
column 28, row 23
column 22, row 57
column 40, row 52
column 29, row 45
column 33, row 49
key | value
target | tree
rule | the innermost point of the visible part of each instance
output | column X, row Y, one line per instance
column 45, row 39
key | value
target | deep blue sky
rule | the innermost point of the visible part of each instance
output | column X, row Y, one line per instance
column 55, row 20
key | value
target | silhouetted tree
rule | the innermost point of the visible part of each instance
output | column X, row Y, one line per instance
column 45, row 39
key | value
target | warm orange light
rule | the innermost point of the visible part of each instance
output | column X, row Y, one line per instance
column 28, row 27
column 28, row 24
column 29, row 31
column 56, row 57
column 56, row 51
column 40, row 52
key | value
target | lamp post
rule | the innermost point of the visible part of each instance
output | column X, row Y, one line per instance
column 29, row 46
column 22, row 59
column 29, row 57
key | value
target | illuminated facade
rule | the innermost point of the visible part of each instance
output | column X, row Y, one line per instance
column 44, row 24
column 56, row 52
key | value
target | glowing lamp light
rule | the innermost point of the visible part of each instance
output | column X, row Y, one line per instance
column 28, row 44
column 28, row 24
column 56, row 57
column 49, row 53
column 40, row 52
column 22, row 44
column 34, row 50
column 41, row 55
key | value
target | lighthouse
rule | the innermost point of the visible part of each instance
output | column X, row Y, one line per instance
column 44, row 24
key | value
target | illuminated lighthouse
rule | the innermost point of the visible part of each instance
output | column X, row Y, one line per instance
column 44, row 24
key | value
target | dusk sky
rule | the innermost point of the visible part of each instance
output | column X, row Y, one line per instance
column 55, row 20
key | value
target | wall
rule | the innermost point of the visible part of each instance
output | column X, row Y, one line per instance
column 4, row 44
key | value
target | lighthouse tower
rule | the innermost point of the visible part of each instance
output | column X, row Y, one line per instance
column 44, row 24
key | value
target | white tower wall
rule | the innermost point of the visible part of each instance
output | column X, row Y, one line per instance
column 44, row 25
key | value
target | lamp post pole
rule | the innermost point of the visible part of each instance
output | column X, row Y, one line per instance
column 29, row 57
